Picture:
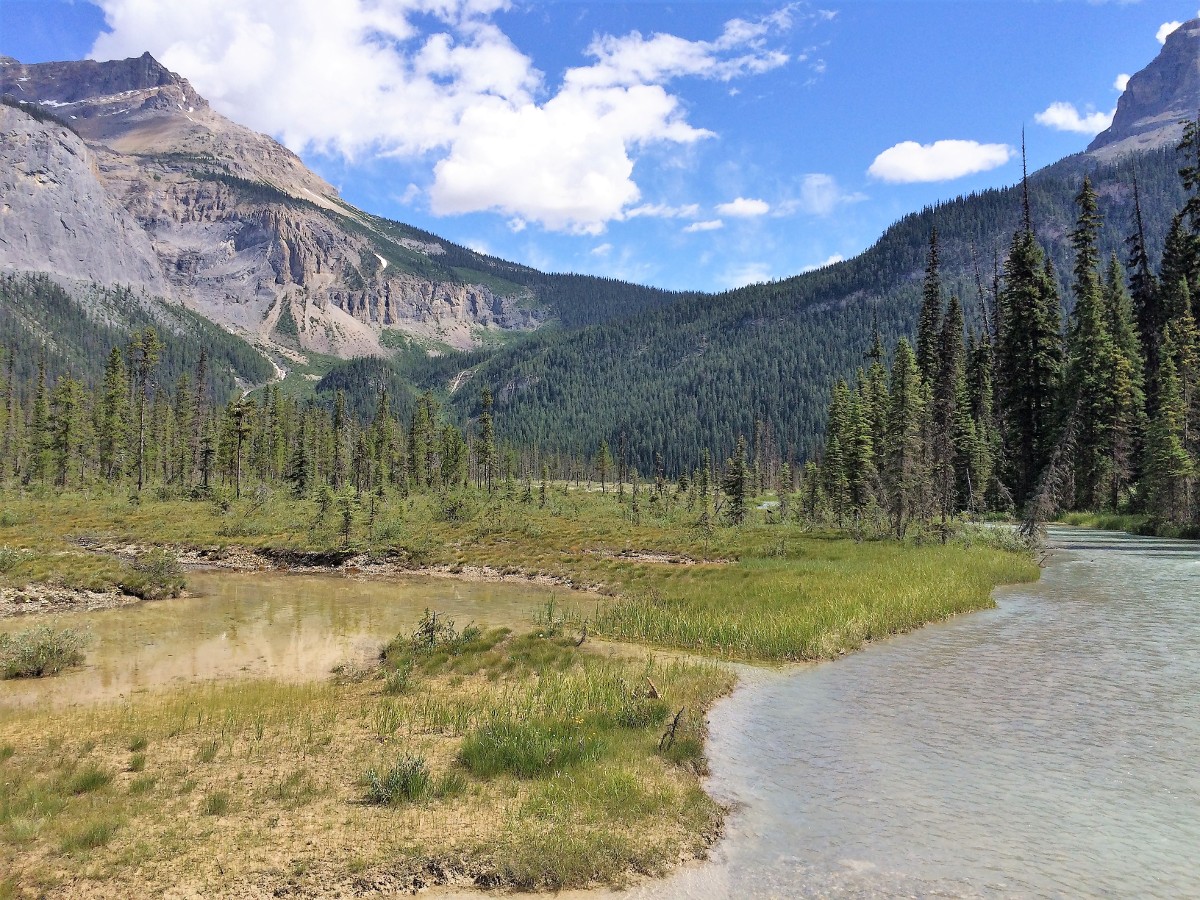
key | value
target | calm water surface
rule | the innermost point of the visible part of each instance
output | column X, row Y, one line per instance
column 261, row 624
column 1049, row 748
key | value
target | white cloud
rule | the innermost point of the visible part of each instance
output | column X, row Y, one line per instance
column 1121, row 82
column 820, row 195
column 1065, row 117
column 743, row 274
column 602, row 250
column 744, row 208
column 836, row 258
column 411, row 193
column 663, row 211
column 1165, row 29
column 709, row 225
column 438, row 80
column 909, row 162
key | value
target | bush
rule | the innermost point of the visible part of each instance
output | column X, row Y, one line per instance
column 43, row 650
column 154, row 576
column 641, row 712
column 409, row 779
column 8, row 559
column 436, row 632
column 529, row 749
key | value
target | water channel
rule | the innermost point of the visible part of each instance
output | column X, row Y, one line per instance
column 262, row 625
column 1048, row 748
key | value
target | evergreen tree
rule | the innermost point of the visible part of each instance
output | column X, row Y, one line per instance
column 485, row 444
column 113, row 421
column 947, row 453
column 144, row 351
column 1147, row 304
column 929, row 326
column 736, row 483
column 906, row 474
column 39, row 429
column 1169, row 469
column 1029, row 363
column 1092, row 361
column 602, row 464
column 1127, row 384
column 66, row 425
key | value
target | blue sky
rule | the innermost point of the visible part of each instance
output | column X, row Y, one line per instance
column 687, row 144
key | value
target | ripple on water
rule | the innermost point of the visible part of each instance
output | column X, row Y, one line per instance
column 1046, row 748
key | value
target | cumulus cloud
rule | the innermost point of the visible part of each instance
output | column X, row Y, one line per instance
column 1065, row 117
column 438, row 80
column 744, row 208
column 1122, row 82
column 909, row 162
column 708, row 225
column 1165, row 29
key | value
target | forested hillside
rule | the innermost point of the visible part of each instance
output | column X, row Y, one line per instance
column 706, row 368
column 72, row 333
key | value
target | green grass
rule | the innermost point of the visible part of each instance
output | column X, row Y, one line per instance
column 1134, row 523
column 545, row 753
column 542, row 765
column 527, row 749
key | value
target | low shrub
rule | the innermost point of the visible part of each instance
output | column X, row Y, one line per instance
column 154, row 576
column 90, row 835
column 641, row 712
column 407, row 780
column 40, row 651
column 89, row 779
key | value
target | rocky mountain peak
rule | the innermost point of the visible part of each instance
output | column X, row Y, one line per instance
column 76, row 82
column 1156, row 99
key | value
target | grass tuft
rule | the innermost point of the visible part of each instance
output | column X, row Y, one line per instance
column 528, row 749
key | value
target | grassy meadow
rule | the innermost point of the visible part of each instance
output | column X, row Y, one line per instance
column 491, row 758
column 501, row 759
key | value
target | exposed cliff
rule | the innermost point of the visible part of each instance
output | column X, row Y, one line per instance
column 150, row 187
column 1157, row 99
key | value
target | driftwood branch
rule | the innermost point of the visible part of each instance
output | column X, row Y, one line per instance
column 668, row 739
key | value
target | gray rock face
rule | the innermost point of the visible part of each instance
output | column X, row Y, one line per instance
column 157, row 190
column 1156, row 99
column 57, row 216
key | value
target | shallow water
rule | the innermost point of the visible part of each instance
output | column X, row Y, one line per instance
column 261, row 624
column 1049, row 748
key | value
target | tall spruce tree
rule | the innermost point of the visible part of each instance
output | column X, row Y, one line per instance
column 736, row 484
column 929, row 325
column 1029, row 363
column 907, row 476
column 948, row 434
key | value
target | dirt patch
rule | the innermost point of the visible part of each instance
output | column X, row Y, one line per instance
column 650, row 556
column 332, row 562
column 49, row 599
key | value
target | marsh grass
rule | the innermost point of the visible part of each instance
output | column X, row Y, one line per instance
column 40, row 651
column 574, row 788
column 545, row 764
column 528, row 749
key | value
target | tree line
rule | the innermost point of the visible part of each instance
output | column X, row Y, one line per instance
column 1033, row 412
